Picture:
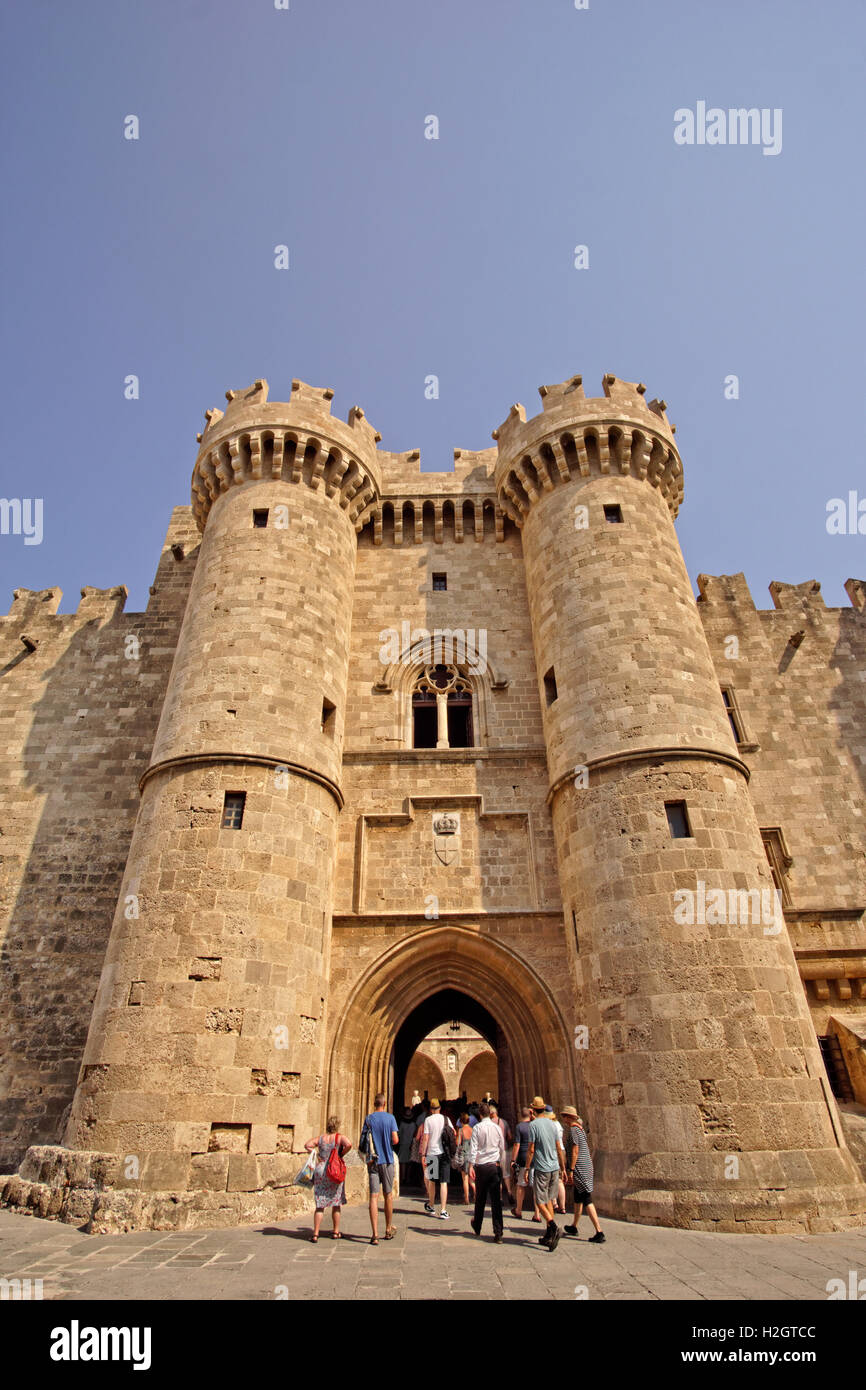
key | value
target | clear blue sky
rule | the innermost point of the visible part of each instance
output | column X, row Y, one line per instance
column 412, row 256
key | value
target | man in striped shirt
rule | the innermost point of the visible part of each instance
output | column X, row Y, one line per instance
column 580, row 1174
column 486, row 1162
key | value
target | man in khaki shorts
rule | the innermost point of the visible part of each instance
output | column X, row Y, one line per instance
column 378, row 1138
column 547, row 1161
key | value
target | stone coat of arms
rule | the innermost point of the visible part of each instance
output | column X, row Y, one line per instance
column 446, row 837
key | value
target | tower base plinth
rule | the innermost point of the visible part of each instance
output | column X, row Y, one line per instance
column 90, row 1190
column 769, row 1193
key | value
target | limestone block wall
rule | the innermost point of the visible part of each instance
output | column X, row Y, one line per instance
column 79, row 709
column 797, row 675
column 208, row 1027
column 803, row 702
column 503, row 852
column 486, row 594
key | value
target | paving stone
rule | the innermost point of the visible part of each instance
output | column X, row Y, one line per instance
column 636, row 1263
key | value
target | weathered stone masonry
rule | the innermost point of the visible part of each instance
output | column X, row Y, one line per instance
column 182, row 1003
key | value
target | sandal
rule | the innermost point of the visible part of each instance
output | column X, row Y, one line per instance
column 337, row 1235
column 314, row 1239
column 389, row 1235
column 374, row 1240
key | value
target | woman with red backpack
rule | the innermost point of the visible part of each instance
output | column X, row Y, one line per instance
column 329, row 1174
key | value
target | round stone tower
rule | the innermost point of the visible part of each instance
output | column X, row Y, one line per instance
column 205, row 1056
column 703, row 1083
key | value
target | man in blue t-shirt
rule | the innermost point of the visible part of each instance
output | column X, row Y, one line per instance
column 547, row 1159
column 378, row 1138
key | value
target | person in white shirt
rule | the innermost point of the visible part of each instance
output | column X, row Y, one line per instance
column 436, row 1159
column 486, row 1162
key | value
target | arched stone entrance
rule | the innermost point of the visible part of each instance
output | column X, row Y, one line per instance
column 533, row 1046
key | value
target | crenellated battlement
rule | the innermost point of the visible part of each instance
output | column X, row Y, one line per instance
column 299, row 440
column 35, row 603
column 98, row 604
column 296, row 440
column 856, row 591
column 440, row 505
column 579, row 436
column 733, row 590
column 102, row 604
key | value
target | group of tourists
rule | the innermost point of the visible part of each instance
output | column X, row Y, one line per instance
column 545, row 1158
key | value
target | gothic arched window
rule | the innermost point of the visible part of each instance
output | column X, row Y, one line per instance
column 442, row 709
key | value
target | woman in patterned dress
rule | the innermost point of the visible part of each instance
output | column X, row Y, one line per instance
column 327, row 1193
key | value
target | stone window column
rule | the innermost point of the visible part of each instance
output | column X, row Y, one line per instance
column 441, row 719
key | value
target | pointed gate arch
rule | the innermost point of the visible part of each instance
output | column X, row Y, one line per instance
column 428, row 962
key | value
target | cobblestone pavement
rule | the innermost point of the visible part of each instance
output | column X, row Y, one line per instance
column 427, row 1259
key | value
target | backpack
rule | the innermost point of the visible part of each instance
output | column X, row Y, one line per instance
column 449, row 1140
column 367, row 1145
column 335, row 1169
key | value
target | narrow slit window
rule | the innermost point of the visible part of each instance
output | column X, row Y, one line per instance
column 779, row 860
column 233, row 810
column 440, row 583
column 550, row 691
column 837, row 1071
column 328, row 721
column 260, row 517
column 612, row 512
column 678, row 820
column 733, row 713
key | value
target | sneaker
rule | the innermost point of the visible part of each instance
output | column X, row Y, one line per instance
column 497, row 1240
column 597, row 1239
column 427, row 1207
column 554, row 1240
column 569, row 1230
column 443, row 1216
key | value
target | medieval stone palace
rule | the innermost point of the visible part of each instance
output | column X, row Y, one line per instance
column 391, row 748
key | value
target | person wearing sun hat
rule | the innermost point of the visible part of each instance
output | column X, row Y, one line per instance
column 547, row 1160
column 579, row 1174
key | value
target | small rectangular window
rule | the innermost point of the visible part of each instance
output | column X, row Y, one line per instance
column 550, row 691
column 233, row 810
column 612, row 512
column 678, row 820
column 440, row 582
column 260, row 517
column 328, row 721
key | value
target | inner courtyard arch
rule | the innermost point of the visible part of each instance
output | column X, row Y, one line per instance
column 435, row 1009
